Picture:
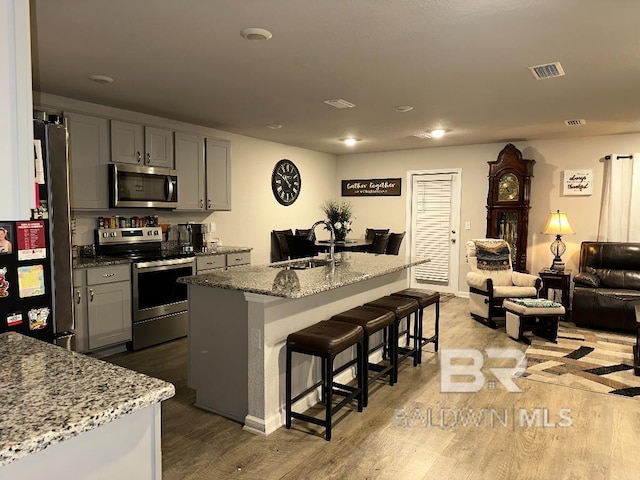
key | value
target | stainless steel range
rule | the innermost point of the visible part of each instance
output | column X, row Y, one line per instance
column 160, row 305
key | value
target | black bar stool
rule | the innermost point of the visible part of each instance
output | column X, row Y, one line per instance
column 373, row 320
column 424, row 299
column 401, row 307
column 326, row 340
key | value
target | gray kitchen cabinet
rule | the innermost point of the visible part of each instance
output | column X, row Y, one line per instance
column 210, row 263
column 218, row 174
column 189, row 157
column 102, row 306
column 141, row 145
column 88, row 160
column 237, row 259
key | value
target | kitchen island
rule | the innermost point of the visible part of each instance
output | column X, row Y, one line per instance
column 66, row 415
column 239, row 321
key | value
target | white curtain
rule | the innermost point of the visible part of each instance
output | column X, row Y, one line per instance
column 620, row 211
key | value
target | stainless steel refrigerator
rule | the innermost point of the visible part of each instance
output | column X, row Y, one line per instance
column 36, row 289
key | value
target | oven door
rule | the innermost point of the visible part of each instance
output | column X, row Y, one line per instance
column 155, row 290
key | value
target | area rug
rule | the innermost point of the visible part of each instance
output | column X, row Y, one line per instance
column 585, row 359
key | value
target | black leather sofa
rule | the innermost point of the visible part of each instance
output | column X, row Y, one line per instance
column 607, row 287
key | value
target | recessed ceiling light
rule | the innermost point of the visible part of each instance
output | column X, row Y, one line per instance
column 274, row 126
column 103, row 79
column 256, row 34
column 432, row 134
column 403, row 108
column 350, row 141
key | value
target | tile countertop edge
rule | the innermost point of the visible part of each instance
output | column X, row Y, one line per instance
column 214, row 280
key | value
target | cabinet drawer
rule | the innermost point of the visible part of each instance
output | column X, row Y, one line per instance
column 241, row 258
column 113, row 273
column 209, row 262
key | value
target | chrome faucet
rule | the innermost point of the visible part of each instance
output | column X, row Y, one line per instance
column 331, row 241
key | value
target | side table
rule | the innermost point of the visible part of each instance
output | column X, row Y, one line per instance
column 557, row 280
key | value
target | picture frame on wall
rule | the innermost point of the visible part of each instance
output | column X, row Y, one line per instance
column 577, row 182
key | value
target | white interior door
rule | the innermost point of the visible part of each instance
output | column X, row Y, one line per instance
column 434, row 225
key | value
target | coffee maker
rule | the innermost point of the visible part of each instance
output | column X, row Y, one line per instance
column 192, row 237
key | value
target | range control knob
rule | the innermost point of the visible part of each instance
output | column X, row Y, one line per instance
column 155, row 232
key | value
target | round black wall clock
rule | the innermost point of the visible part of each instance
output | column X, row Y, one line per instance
column 286, row 182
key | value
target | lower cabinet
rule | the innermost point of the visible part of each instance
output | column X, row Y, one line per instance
column 102, row 306
column 220, row 261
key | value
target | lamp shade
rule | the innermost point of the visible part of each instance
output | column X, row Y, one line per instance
column 558, row 224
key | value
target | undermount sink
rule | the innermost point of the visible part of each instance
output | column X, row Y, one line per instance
column 306, row 264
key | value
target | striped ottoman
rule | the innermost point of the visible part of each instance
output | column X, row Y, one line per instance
column 533, row 314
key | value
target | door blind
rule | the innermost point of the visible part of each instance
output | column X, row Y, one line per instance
column 433, row 227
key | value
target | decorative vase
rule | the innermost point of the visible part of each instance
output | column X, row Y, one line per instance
column 341, row 234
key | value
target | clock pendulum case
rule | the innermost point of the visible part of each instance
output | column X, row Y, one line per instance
column 508, row 202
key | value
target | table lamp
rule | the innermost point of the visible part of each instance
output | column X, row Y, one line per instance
column 558, row 225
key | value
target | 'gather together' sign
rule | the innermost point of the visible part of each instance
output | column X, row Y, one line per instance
column 372, row 187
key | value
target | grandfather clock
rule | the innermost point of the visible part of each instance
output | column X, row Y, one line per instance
column 508, row 202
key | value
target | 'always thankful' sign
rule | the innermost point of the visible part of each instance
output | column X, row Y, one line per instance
column 372, row 187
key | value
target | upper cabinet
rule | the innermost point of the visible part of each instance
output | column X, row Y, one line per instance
column 88, row 160
column 141, row 145
column 190, row 168
column 204, row 173
column 218, row 168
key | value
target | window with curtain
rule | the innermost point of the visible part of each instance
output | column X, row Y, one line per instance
column 620, row 210
column 432, row 226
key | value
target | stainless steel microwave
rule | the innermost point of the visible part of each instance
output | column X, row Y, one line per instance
column 140, row 187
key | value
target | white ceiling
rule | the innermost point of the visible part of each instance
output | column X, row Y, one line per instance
column 462, row 65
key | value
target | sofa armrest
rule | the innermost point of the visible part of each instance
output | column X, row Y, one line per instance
column 479, row 281
column 587, row 279
column 520, row 279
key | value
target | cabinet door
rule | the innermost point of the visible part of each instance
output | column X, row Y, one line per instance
column 127, row 142
column 218, row 161
column 109, row 314
column 158, row 147
column 80, row 318
column 191, row 174
column 88, row 160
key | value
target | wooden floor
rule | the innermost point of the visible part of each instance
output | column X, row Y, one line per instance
column 410, row 430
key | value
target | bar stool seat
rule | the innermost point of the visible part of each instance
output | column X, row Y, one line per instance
column 326, row 339
column 402, row 308
column 424, row 299
column 372, row 320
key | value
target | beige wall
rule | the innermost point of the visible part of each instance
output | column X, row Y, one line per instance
column 551, row 156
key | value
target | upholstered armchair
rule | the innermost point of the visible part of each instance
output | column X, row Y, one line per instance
column 492, row 279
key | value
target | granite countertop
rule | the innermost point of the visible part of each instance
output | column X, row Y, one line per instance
column 49, row 394
column 279, row 281
column 99, row 261
column 222, row 250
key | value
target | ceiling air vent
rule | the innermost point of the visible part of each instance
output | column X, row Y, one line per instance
column 339, row 103
column 575, row 123
column 550, row 70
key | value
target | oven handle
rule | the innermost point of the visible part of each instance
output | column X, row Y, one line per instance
column 165, row 263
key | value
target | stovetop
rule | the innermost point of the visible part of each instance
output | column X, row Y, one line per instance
column 155, row 255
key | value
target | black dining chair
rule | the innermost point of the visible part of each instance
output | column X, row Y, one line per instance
column 304, row 232
column 300, row 247
column 370, row 233
column 393, row 246
column 279, row 245
column 379, row 244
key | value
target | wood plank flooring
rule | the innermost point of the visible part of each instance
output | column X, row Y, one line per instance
column 394, row 438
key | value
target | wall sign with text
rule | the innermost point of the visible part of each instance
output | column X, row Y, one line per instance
column 577, row 182
column 373, row 187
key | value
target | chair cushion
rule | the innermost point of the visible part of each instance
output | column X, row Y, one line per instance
column 370, row 318
column 400, row 306
column 503, row 291
column 535, row 306
column 423, row 297
column 328, row 337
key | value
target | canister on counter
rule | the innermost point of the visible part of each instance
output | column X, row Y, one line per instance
column 112, row 222
column 100, row 222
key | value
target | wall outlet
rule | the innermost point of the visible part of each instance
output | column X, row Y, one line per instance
column 467, row 225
